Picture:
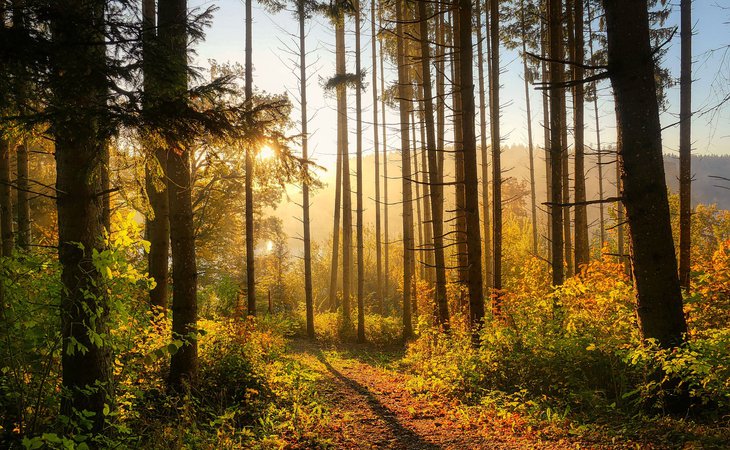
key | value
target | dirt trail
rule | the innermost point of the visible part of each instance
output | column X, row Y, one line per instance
column 374, row 410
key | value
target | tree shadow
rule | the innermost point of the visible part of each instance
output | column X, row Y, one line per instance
column 406, row 437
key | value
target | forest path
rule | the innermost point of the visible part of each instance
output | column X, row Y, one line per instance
column 372, row 409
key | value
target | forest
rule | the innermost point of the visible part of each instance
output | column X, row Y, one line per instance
column 394, row 224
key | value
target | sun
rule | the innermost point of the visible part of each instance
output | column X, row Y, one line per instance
column 266, row 153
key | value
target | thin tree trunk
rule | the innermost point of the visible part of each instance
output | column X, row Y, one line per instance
column 440, row 92
column 418, row 230
column 599, row 151
column 685, row 145
column 79, row 138
column 346, row 184
column 248, row 182
column 24, row 223
column 556, row 147
column 436, row 197
column 158, row 226
column 582, row 244
column 496, row 153
column 376, row 152
column 184, row 362
column 471, row 180
column 6, row 198
column 308, row 297
column 358, row 175
column 429, row 274
column 484, row 149
column 567, row 231
column 546, row 140
column 533, row 195
column 386, row 236
column 334, row 267
column 404, row 94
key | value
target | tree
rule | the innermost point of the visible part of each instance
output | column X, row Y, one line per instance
column 6, row 198
column 555, row 54
column 358, row 175
column 79, row 87
column 250, row 257
column 582, row 247
column 685, row 144
column 404, row 94
column 172, row 20
column 376, row 152
column 631, row 69
column 471, row 181
column 158, row 225
column 496, row 152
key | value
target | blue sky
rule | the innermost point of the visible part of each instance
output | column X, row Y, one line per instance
column 274, row 73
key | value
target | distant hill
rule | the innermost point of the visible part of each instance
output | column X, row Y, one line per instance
column 705, row 189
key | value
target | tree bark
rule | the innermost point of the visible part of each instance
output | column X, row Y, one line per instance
column 533, row 195
column 248, row 182
column 471, row 180
column 404, row 94
column 386, row 243
column 631, row 68
column 78, row 83
column 484, row 149
column 556, row 148
column 358, row 175
column 376, row 152
column 685, row 144
column 6, row 198
column 184, row 363
column 24, row 222
column 582, row 244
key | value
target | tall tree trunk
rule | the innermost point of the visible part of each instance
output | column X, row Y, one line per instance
column 308, row 297
column 24, row 226
column 248, row 182
column 6, row 198
column 436, row 197
column 582, row 244
column 484, row 149
column 184, row 363
column 496, row 153
column 533, row 195
column 360, row 226
column 78, row 82
column 546, row 139
column 376, row 152
column 555, row 32
column 347, row 262
column 386, row 255
column 158, row 226
column 462, row 261
column 567, row 54
column 440, row 91
column 334, row 267
column 429, row 274
column 404, row 94
column 471, row 180
column 599, row 150
column 418, row 260
column 685, row 144
column 631, row 68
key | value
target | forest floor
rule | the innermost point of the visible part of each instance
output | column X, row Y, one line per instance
column 371, row 408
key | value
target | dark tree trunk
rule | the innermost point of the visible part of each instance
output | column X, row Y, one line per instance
column 158, row 226
column 248, row 182
column 173, row 40
column 308, row 298
column 24, row 227
column 359, row 205
column 78, row 82
column 556, row 146
column 546, row 140
column 347, row 262
column 599, row 151
column 471, row 180
column 631, row 67
column 533, row 195
column 582, row 244
column 459, row 201
column 334, row 266
column 376, row 152
column 6, row 198
column 386, row 243
column 404, row 94
column 484, row 149
column 685, row 144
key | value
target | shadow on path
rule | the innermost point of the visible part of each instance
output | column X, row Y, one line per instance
column 405, row 436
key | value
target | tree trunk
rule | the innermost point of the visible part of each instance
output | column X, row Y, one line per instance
column 158, row 226
column 248, row 182
column 404, row 94
column 582, row 244
column 462, row 261
column 6, row 198
column 184, row 363
column 346, row 186
column 546, row 140
column 471, row 180
column 436, row 197
column 376, row 152
column 533, row 195
column 334, row 267
column 308, row 298
column 631, row 68
column 567, row 232
column 484, row 150
column 78, row 82
column 685, row 144
column 556, row 148
column 496, row 154
column 386, row 256
column 24, row 226
column 360, row 226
